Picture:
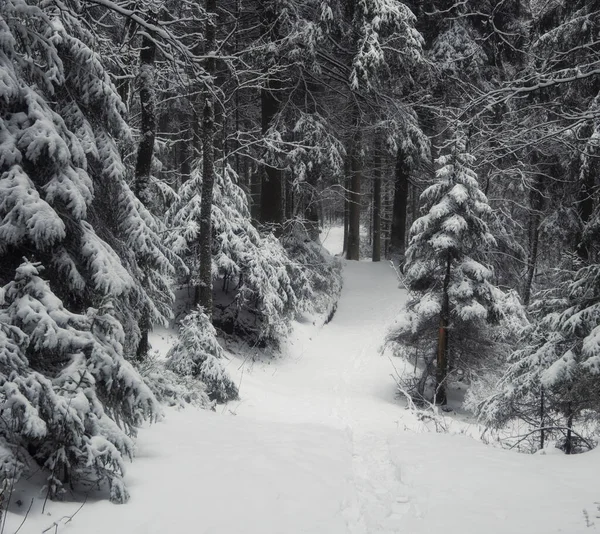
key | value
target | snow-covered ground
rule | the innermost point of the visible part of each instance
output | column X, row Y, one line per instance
column 319, row 443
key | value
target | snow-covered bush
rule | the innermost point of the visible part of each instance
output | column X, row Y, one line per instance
column 322, row 271
column 68, row 397
column 171, row 388
column 197, row 354
column 551, row 382
column 258, row 286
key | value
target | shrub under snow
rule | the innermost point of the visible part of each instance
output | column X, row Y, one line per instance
column 70, row 402
column 197, row 353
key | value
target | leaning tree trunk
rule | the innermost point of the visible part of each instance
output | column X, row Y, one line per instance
column 204, row 288
column 398, row 230
column 377, row 206
column 442, row 351
column 145, row 152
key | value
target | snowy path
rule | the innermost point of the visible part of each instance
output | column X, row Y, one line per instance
column 337, row 377
column 318, row 444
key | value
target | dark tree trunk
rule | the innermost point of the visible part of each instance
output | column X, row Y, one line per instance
column 442, row 351
column 353, row 251
column 346, row 203
column 271, row 200
column 204, row 290
column 145, row 152
column 289, row 198
column 185, row 153
column 271, row 205
column 398, row 230
column 377, row 206
column 569, row 438
column 536, row 202
column 255, row 195
column 311, row 206
column 586, row 204
column 124, row 84
column 542, row 419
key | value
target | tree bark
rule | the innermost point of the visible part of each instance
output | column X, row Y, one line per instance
column 311, row 206
column 569, row 437
column 145, row 152
column 442, row 351
column 271, row 201
column 204, row 289
column 536, row 201
column 586, row 203
column 255, row 196
column 377, row 206
column 353, row 251
column 542, row 419
column 398, row 230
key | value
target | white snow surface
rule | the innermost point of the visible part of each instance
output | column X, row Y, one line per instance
column 319, row 443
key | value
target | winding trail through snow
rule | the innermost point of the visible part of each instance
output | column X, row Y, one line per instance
column 337, row 376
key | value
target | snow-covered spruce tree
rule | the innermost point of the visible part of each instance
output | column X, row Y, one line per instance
column 452, row 299
column 64, row 198
column 197, row 353
column 259, row 288
column 69, row 400
column 65, row 202
column 552, row 381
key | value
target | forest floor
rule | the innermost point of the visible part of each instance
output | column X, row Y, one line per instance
column 319, row 443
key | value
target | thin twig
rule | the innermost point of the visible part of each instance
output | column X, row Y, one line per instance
column 25, row 518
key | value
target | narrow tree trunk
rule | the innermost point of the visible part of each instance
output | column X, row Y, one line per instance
column 289, row 197
column 185, row 153
column 311, row 206
column 353, row 251
column 271, row 201
column 442, row 352
column 145, row 153
column 125, row 83
column 569, row 439
column 536, row 203
column 398, row 230
column 377, row 206
column 271, row 204
column 542, row 420
column 346, row 204
column 255, row 196
column 204, row 290
column 586, row 203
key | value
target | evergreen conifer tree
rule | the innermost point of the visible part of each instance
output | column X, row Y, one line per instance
column 552, row 381
column 64, row 196
column 197, row 353
column 69, row 398
column 452, row 297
